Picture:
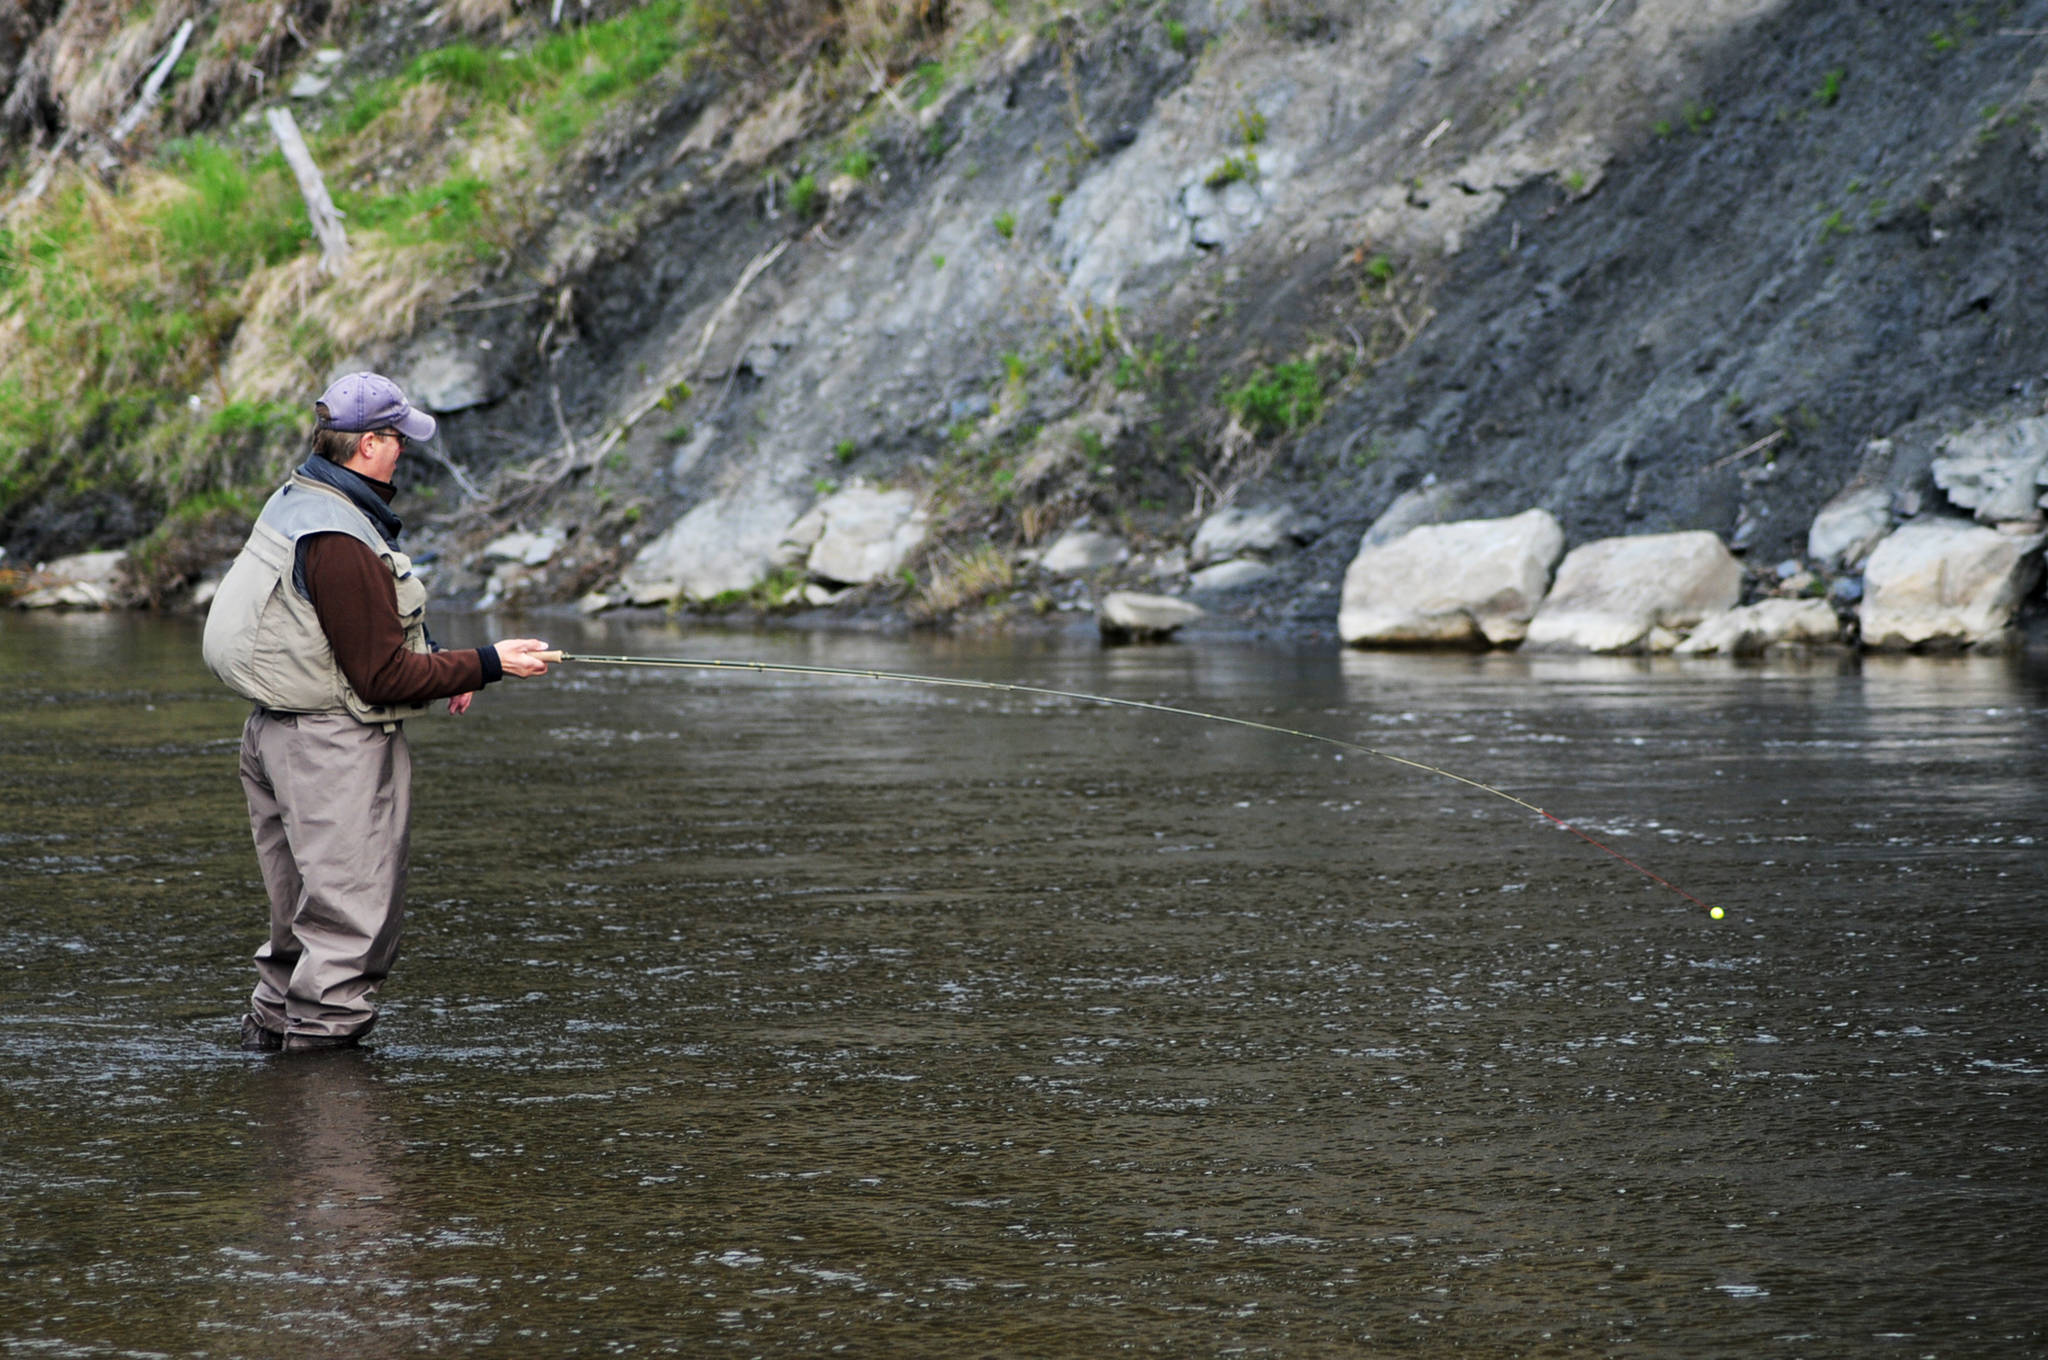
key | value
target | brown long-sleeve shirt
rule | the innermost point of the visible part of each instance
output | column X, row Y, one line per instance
column 356, row 599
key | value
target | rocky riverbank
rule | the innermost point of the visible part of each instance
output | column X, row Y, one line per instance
column 1259, row 308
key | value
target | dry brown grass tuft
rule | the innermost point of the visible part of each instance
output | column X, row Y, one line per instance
column 297, row 322
column 247, row 48
column 476, row 16
column 961, row 579
column 100, row 68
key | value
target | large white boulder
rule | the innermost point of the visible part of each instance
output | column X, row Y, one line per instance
column 1756, row 628
column 1476, row 581
column 90, row 580
column 1995, row 468
column 1635, row 594
column 1946, row 583
column 726, row 543
column 863, row 534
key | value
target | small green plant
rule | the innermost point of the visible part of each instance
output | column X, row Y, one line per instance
column 824, row 486
column 803, row 197
column 930, row 81
column 844, row 452
column 675, row 395
column 859, row 163
column 1830, row 88
column 1251, row 125
column 1084, row 348
column 1662, row 127
column 1834, row 224
column 1054, row 200
column 1016, row 368
column 1941, row 41
column 1233, row 169
column 1006, row 224
column 1697, row 115
column 1575, row 182
column 938, row 261
column 1278, row 400
column 1095, row 451
column 680, row 434
column 1177, row 36
column 1379, row 270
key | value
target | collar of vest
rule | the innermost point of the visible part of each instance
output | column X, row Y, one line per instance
column 360, row 491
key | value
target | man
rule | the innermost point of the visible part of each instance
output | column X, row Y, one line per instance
column 321, row 624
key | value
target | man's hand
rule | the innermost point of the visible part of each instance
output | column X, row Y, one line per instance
column 517, row 656
column 459, row 705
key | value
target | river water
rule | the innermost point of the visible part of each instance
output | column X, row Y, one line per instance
column 751, row 1015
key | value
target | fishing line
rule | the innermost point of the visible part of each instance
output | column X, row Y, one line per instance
column 907, row 677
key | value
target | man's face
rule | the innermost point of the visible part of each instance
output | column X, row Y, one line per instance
column 377, row 454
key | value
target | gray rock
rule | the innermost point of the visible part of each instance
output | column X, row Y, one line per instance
column 1477, row 581
column 1234, row 531
column 1078, row 552
column 1849, row 526
column 864, row 535
column 1635, row 594
column 725, row 543
column 1995, row 468
column 529, row 549
column 90, row 580
column 1756, row 628
column 1128, row 614
column 444, row 377
column 1946, row 583
column 1229, row 576
column 1431, row 503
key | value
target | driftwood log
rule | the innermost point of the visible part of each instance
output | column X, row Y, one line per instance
column 313, row 188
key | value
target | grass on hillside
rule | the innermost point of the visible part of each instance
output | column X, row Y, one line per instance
column 163, row 334
column 165, row 331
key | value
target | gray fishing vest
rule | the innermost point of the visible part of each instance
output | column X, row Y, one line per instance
column 263, row 639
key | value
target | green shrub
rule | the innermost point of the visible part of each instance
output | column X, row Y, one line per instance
column 803, row 197
column 254, row 417
column 1233, row 169
column 1279, row 400
column 1006, row 224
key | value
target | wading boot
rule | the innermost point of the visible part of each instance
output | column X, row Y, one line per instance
column 319, row 1043
column 256, row 1039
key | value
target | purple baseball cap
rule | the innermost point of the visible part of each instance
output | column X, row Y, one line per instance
column 370, row 401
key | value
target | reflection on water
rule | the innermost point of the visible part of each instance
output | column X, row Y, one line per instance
column 743, row 1013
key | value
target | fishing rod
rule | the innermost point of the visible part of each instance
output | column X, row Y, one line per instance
column 954, row 682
